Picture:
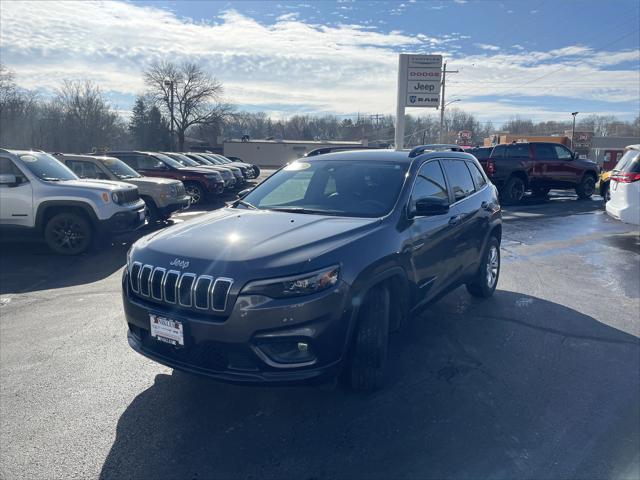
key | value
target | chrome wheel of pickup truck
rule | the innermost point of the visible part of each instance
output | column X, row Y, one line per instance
column 68, row 234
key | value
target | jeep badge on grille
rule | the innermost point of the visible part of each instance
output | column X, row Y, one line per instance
column 180, row 263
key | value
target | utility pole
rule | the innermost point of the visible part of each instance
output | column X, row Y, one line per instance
column 442, row 104
column 573, row 130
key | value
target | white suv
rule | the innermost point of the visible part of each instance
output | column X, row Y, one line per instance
column 624, row 187
column 40, row 196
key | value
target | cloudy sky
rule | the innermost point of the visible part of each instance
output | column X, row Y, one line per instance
column 540, row 58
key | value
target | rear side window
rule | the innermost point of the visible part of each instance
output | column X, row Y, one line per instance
column 459, row 178
column 498, row 151
column 478, row 178
column 629, row 163
column 545, row 151
column 430, row 182
column 518, row 150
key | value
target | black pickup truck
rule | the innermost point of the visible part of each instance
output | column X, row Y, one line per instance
column 538, row 167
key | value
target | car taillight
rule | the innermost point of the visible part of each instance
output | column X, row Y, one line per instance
column 628, row 177
column 491, row 167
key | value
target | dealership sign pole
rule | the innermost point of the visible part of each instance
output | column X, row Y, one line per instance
column 419, row 82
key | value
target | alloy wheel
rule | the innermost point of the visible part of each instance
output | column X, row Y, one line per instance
column 493, row 264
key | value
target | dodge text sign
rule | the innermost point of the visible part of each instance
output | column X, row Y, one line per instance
column 419, row 80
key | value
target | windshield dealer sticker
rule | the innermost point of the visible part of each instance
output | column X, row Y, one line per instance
column 295, row 166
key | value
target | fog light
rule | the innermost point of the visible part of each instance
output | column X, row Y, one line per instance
column 288, row 352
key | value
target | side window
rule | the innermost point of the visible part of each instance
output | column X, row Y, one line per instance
column 129, row 160
column 498, row 151
column 146, row 162
column 7, row 167
column 562, row 153
column 84, row 169
column 460, row 178
column 518, row 150
column 545, row 151
column 430, row 183
column 478, row 177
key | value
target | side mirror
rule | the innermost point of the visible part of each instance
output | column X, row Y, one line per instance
column 8, row 179
column 245, row 192
column 430, row 206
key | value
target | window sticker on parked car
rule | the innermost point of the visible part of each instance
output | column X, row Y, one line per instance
column 295, row 166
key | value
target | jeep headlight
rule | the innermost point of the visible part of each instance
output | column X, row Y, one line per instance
column 294, row 286
column 173, row 190
column 214, row 176
column 116, row 197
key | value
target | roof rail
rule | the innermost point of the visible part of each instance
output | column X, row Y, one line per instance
column 323, row 150
column 434, row 147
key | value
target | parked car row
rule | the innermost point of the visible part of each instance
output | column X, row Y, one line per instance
column 204, row 175
column 71, row 200
column 537, row 167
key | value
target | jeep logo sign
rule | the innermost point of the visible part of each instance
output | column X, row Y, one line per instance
column 178, row 262
column 423, row 87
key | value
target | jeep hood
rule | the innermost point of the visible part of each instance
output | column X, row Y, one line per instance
column 151, row 181
column 110, row 185
column 229, row 240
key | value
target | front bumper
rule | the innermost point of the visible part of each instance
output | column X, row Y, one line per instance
column 216, row 187
column 124, row 221
column 240, row 347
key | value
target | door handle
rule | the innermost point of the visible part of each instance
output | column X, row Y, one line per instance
column 455, row 220
column 417, row 246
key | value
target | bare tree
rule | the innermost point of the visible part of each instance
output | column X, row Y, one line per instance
column 197, row 95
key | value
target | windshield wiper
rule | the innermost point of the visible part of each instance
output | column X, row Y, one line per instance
column 51, row 179
column 310, row 211
column 246, row 204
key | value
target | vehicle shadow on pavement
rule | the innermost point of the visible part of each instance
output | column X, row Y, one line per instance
column 514, row 386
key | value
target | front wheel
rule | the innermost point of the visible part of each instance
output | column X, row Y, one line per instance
column 486, row 280
column 195, row 191
column 68, row 234
column 586, row 187
column 369, row 350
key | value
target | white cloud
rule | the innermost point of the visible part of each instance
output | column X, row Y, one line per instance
column 486, row 46
column 287, row 66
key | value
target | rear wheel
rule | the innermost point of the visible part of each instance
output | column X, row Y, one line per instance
column 605, row 193
column 586, row 187
column 486, row 280
column 195, row 191
column 154, row 214
column 513, row 191
column 68, row 233
column 369, row 350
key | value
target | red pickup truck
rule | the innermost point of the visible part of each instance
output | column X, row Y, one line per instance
column 538, row 167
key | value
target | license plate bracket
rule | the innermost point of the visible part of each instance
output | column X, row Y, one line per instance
column 166, row 330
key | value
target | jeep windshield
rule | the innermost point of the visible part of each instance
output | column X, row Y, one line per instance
column 330, row 187
column 119, row 168
column 45, row 167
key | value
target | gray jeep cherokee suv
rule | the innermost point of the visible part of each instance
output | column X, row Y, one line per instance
column 304, row 277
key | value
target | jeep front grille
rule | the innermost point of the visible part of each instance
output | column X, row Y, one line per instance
column 185, row 289
column 129, row 196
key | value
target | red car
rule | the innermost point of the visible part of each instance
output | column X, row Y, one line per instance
column 199, row 183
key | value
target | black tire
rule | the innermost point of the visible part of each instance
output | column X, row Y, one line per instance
column 196, row 192
column 369, row 349
column 484, row 284
column 154, row 214
column 605, row 193
column 68, row 233
column 586, row 187
column 513, row 191
column 541, row 191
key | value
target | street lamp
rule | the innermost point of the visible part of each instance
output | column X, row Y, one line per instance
column 573, row 129
column 442, row 118
column 169, row 83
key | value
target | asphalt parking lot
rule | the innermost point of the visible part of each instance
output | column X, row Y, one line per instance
column 540, row 381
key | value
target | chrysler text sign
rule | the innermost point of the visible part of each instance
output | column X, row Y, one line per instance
column 419, row 80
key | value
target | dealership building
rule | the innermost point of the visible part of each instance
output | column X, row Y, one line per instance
column 275, row 153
